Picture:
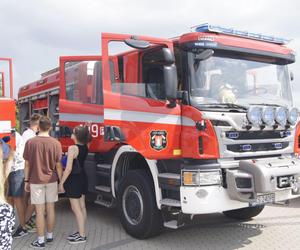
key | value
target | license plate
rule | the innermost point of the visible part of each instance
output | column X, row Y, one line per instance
column 263, row 199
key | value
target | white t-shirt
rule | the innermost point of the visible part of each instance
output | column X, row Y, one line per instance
column 28, row 134
column 18, row 162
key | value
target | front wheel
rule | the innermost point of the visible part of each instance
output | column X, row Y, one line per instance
column 137, row 207
column 244, row 213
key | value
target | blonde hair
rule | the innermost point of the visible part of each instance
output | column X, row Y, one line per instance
column 2, row 178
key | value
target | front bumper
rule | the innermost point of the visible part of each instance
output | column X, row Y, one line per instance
column 217, row 199
column 260, row 177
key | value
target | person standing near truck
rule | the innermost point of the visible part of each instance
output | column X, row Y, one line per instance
column 74, row 181
column 42, row 156
column 33, row 129
column 30, row 133
column 16, row 184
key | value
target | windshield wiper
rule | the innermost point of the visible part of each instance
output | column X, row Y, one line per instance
column 266, row 104
column 225, row 105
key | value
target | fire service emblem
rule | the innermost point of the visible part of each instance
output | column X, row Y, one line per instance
column 158, row 140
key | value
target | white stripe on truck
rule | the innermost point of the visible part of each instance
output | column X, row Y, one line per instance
column 130, row 116
column 69, row 117
column 147, row 117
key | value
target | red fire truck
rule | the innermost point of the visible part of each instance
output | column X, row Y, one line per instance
column 201, row 123
column 7, row 103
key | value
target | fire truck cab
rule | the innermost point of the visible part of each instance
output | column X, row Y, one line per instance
column 7, row 103
column 202, row 123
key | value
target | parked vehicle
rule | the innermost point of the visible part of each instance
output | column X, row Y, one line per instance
column 201, row 123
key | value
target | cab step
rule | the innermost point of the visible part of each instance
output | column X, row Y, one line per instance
column 103, row 166
column 103, row 188
column 175, row 220
column 105, row 203
column 170, row 202
column 173, row 224
column 103, row 170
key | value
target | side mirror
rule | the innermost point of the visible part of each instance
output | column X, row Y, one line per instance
column 171, row 82
column 169, row 57
column 137, row 44
column 170, row 74
column 292, row 75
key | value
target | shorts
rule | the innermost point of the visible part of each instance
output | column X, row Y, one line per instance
column 75, row 186
column 43, row 193
column 16, row 183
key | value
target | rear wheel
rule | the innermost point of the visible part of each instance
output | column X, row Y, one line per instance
column 244, row 213
column 137, row 207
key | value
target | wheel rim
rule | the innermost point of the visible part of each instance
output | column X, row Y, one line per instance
column 133, row 205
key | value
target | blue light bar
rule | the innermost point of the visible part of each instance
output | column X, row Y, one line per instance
column 229, row 31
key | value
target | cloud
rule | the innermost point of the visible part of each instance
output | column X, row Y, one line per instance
column 35, row 33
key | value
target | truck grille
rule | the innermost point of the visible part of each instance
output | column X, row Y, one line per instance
column 256, row 135
column 254, row 147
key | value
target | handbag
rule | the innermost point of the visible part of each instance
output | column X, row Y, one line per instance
column 76, row 169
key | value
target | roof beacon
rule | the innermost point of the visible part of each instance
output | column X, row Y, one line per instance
column 206, row 27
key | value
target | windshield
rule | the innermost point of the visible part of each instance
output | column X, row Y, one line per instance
column 238, row 80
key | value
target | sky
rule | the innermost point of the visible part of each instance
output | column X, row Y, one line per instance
column 36, row 32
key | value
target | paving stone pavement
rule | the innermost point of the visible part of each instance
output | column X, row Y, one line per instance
column 277, row 227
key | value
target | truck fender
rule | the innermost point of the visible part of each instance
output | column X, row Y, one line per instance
column 152, row 167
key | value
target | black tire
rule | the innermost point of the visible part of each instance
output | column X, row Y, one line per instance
column 244, row 213
column 150, row 222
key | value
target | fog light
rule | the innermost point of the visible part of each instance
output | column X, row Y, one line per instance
column 268, row 116
column 281, row 116
column 254, row 116
column 202, row 193
column 293, row 116
column 201, row 178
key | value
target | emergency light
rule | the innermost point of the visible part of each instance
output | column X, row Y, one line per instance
column 206, row 27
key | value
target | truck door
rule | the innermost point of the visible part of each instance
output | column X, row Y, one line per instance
column 80, row 99
column 136, row 110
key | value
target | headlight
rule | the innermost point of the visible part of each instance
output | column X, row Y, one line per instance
column 281, row 116
column 268, row 116
column 254, row 116
column 293, row 116
column 201, row 178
